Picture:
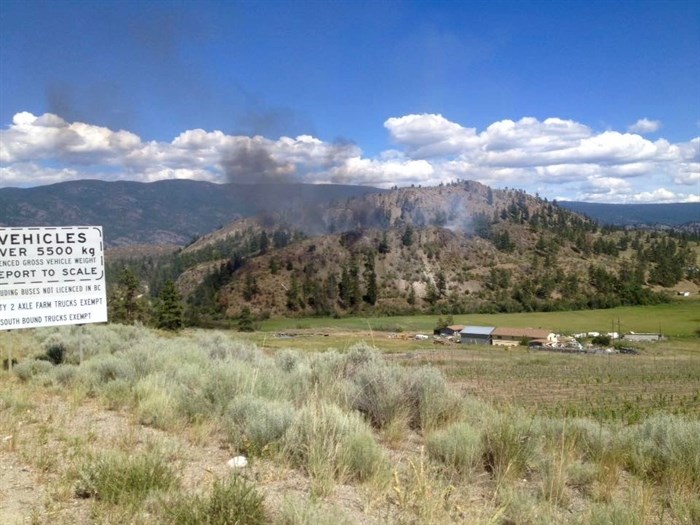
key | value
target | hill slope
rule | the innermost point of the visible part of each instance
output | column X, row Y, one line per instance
column 456, row 248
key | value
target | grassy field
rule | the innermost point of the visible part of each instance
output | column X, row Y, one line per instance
column 677, row 319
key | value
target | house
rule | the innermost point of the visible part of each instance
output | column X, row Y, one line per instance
column 513, row 336
column 476, row 335
column 451, row 330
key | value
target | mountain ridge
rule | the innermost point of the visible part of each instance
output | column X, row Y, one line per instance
column 174, row 212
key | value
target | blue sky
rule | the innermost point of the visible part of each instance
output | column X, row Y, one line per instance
column 585, row 100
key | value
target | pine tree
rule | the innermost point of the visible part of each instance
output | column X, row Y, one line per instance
column 169, row 310
column 124, row 300
column 370, row 296
column 411, row 297
column 245, row 321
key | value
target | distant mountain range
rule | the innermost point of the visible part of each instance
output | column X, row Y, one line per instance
column 672, row 215
column 165, row 212
column 176, row 211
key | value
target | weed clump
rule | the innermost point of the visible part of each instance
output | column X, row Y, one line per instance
column 232, row 501
column 118, row 478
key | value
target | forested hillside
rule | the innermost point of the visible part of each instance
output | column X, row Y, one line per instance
column 456, row 248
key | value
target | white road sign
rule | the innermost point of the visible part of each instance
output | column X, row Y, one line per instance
column 51, row 276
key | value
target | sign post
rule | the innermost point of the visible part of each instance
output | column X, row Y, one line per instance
column 51, row 276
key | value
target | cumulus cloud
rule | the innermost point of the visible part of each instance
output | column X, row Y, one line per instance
column 553, row 155
column 644, row 125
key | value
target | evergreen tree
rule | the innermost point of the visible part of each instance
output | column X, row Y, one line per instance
column 407, row 237
column 170, row 309
column 264, row 242
column 245, row 321
column 124, row 303
column 441, row 283
column 293, row 294
column 250, row 289
column 411, row 298
column 383, row 246
column 370, row 296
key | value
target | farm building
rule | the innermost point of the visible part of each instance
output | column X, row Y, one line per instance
column 642, row 338
column 451, row 330
column 513, row 336
column 476, row 335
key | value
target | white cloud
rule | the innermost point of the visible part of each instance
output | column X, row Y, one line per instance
column 644, row 125
column 430, row 135
column 559, row 155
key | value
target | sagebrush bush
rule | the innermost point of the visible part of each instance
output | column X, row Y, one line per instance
column 459, row 447
column 30, row 368
column 327, row 378
column 581, row 475
column 287, row 359
column 666, row 449
column 226, row 381
column 592, row 439
column 378, row 394
column 103, row 368
column 330, row 444
column 254, row 424
column 65, row 374
column 232, row 501
column 431, row 402
column 360, row 355
column 509, row 445
column 156, row 403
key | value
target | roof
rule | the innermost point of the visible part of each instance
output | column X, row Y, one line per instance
column 477, row 330
column 455, row 327
column 531, row 333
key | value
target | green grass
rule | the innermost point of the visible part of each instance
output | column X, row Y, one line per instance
column 675, row 319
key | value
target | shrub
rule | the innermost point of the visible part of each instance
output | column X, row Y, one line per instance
column 509, row 445
column 65, row 374
column 225, row 381
column 287, row 360
column 233, row 501
column 666, row 449
column 459, row 447
column 54, row 353
column 254, row 423
column 591, row 438
column 26, row 370
column 431, row 403
column 378, row 394
column 118, row 478
column 156, row 405
column 331, row 445
column 104, row 368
